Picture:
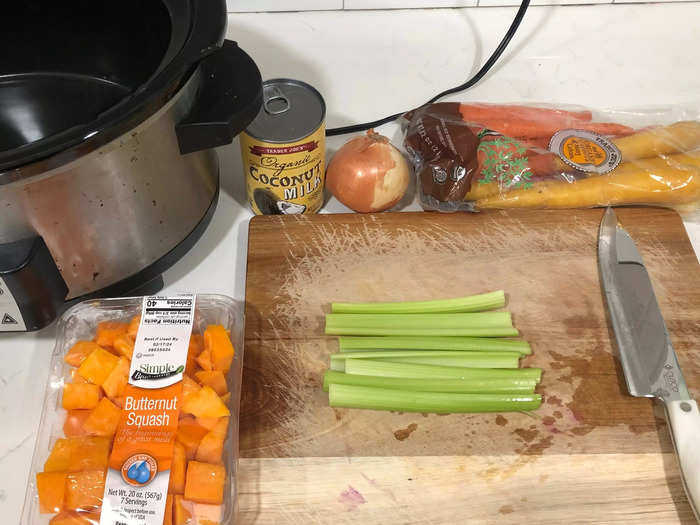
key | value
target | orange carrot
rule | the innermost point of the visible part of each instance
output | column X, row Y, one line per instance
column 607, row 128
column 529, row 130
column 479, row 112
column 535, row 142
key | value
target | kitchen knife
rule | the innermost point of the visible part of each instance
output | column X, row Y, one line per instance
column 648, row 359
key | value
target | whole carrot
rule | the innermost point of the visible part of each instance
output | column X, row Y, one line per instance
column 536, row 131
column 664, row 185
column 479, row 112
column 677, row 138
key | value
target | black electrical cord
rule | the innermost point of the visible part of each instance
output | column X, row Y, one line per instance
column 469, row 83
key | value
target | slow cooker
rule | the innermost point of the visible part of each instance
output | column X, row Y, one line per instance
column 109, row 113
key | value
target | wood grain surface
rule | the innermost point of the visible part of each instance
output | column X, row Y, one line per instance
column 588, row 434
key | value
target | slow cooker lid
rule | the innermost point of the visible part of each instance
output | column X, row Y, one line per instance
column 72, row 70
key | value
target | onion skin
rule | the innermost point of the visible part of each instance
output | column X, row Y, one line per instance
column 368, row 174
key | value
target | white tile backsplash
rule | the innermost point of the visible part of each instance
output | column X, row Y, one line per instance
column 315, row 5
column 247, row 6
column 406, row 4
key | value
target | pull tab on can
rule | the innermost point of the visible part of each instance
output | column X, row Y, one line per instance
column 274, row 101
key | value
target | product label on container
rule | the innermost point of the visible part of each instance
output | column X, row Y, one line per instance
column 139, row 466
column 585, row 150
column 284, row 179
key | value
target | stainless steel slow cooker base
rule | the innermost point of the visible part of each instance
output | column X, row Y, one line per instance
column 118, row 209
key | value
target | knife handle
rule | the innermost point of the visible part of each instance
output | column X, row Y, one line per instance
column 685, row 429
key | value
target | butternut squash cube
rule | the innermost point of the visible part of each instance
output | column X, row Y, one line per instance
column 182, row 511
column 51, row 487
column 195, row 348
column 133, row 328
column 115, row 384
column 190, row 388
column 217, row 341
column 98, row 365
column 178, row 468
column 207, row 514
column 79, row 453
column 71, row 517
column 205, row 403
column 210, row 449
column 196, row 345
column 205, row 483
column 107, row 331
column 208, row 422
column 204, row 360
column 75, row 377
column 189, row 434
column 80, row 396
column 168, row 516
column 84, row 490
column 124, row 345
column 74, row 423
column 213, row 378
column 221, row 427
column 79, row 352
column 103, row 419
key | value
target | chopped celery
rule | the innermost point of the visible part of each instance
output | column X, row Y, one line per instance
column 350, row 396
column 476, row 344
column 432, row 321
column 429, row 332
column 375, row 367
column 441, row 358
column 467, row 386
column 473, row 303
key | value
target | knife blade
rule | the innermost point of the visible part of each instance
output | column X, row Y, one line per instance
column 646, row 353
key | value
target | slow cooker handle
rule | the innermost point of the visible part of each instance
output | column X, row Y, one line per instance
column 32, row 291
column 228, row 99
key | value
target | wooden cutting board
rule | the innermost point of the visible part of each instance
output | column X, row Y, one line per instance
column 591, row 453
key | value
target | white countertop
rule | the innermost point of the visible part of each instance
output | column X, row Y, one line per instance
column 374, row 63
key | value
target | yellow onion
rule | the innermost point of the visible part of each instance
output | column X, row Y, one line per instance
column 368, row 174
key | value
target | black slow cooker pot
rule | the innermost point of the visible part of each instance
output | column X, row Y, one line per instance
column 108, row 115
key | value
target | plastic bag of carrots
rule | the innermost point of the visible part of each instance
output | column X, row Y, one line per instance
column 479, row 156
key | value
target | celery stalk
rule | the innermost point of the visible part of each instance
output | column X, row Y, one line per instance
column 475, row 344
column 489, row 361
column 349, row 396
column 433, row 321
column 375, row 367
column 473, row 303
column 434, row 357
column 426, row 332
column 466, row 386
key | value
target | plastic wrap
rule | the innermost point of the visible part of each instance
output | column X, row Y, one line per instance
column 479, row 156
column 74, row 452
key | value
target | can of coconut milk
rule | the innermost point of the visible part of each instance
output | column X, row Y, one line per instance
column 283, row 150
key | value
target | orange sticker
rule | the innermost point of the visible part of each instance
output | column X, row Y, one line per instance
column 585, row 150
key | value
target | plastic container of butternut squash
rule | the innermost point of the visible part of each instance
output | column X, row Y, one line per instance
column 140, row 420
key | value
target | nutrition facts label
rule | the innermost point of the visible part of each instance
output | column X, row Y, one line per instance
column 160, row 352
